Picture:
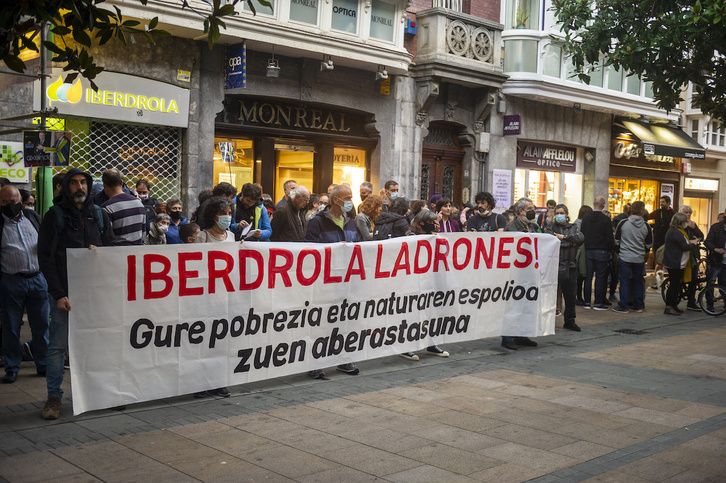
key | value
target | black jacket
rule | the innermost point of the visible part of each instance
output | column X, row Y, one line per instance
column 81, row 228
column 598, row 231
column 675, row 245
column 399, row 224
column 568, row 245
column 289, row 224
column 716, row 238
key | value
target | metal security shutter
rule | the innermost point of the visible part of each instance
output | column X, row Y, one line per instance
column 139, row 151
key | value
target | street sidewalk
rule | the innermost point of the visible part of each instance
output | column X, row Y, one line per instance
column 632, row 398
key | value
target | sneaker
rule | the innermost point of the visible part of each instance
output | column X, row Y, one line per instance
column 409, row 355
column 435, row 350
column 220, row 391
column 525, row 341
column 586, row 306
column 607, row 302
column 710, row 309
column 693, row 307
column 52, row 408
column 317, row 374
column 509, row 344
column 637, row 310
column 27, row 351
column 200, row 394
column 558, row 313
column 613, row 299
column 600, row 307
column 580, row 302
column 572, row 326
column 67, row 363
column 351, row 369
column 618, row 308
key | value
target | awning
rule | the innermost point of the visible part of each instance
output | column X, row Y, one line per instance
column 664, row 140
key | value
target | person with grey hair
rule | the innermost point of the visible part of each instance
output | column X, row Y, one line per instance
column 366, row 189
column 524, row 215
column 289, row 223
column 288, row 186
column 599, row 244
column 693, row 232
column 158, row 229
column 676, row 256
column 634, row 238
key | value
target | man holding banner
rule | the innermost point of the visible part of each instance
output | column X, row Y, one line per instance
column 73, row 222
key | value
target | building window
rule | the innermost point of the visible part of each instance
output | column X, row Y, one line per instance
column 259, row 8
column 305, row 11
column 552, row 61
column 522, row 14
column 520, row 56
column 694, row 129
column 633, row 85
column 345, row 16
column 383, row 20
column 615, row 79
column 717, row 134
column 648, row 90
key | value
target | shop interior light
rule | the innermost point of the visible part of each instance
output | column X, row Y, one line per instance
column 327, row 63
column 382, row 74
column 273, row 68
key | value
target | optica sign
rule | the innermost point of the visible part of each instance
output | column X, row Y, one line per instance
column 119, row 97
column 12, row 162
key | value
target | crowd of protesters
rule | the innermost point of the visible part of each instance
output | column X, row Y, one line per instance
column 594, row 247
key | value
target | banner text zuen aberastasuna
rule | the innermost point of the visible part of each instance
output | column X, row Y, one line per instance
column 153, row 322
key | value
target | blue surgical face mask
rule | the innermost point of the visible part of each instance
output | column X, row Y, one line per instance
column 394, row 195
column 561, row 219
column 347, row 206
column 223, row 221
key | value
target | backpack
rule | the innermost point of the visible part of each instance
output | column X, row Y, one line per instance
column 60, row 218
column 383, row 231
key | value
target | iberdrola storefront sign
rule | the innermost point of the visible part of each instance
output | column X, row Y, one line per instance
column 119, row 97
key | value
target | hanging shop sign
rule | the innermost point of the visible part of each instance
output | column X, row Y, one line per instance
column 300, row 117
column 547, row 157
column 235, row 66
column 120, row 97
column 700, row 184
column 12, row 162
column 632, row 153
column 512, row 125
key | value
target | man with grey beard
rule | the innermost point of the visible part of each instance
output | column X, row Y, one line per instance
column 72, row 222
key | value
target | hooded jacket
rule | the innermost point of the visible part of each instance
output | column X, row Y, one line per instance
column 399, row 224
column 634, row 237
column 568, row 245
column 80, row 229
column 322, row 229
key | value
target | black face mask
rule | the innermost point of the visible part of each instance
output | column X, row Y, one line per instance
column 12, row 210
column 175, row 215
column 429, row 227
column 531, row 215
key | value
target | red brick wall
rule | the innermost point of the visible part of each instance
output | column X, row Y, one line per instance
column 488, row 9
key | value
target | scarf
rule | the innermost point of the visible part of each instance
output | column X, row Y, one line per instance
column 687, row 271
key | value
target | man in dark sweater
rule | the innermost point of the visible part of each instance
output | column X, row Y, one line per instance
column 599, row 243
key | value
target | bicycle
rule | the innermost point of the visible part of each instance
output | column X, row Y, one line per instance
column 701, row 281
column 712, row 299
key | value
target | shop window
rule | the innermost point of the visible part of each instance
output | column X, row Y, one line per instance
column 540, row 186
column 305, row 11
column 345, row 16
column 522, row 14
column 520, row 56
column 622, row 191
column 259, row 8
column 349, row 168
column 701, row 212
column 552, row 61
column 233, row 161
column 615, row 79
column 382, row 20
column 572, row 193
column 293, row 163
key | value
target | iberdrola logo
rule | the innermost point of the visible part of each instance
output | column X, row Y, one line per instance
column 60, row 91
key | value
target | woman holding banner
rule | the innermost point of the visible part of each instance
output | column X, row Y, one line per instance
column 424, row 223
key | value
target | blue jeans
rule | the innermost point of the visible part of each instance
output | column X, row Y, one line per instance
column 56, row 348
column 19, row 294
column 632, row 272
column 597, row 265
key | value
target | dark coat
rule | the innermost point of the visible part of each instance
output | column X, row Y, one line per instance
column 568, row 245
column 399, row 224
column 289, row 224
column 716, row 238
column 322, row 229
column 81, row 228
column 675, row 245
column 598, row 231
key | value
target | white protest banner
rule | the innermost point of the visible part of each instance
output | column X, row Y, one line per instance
column 153, row 322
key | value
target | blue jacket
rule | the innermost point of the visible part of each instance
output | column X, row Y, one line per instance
column 172, row 236
column 322, row 229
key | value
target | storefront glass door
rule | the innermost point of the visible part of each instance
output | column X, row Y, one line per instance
column 293, row 163
column 701, row 212
column 349, row 168
column 233, row 161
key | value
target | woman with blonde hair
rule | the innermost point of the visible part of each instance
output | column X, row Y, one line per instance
column 369, row 210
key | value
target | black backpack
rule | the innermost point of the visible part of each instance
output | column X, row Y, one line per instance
column 382, row 231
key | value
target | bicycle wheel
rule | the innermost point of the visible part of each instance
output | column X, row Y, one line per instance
column 664, row 288
column 712, row 300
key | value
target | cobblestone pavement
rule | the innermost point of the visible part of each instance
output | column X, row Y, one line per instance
column 599, row 405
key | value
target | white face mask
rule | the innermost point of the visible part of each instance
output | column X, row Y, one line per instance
column 162, row 228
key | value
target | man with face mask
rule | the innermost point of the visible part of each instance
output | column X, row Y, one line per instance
column 523, row 221
column 599, row 244
column 570, row 238
column 716, row 244
column 22, row 286
column 389, row 193
column 483, row 219
column 334, row 224
column 73, row 222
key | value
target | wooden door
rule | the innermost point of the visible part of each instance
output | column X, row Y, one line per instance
column 441, row 173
